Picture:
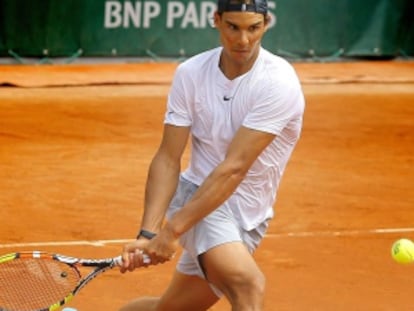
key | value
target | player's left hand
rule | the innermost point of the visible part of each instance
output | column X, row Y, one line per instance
column 133, row 255
column 162, row 247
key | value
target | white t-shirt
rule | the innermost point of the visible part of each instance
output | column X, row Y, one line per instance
column 267, row 98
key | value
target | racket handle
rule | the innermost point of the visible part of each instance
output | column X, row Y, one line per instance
column 118, row 260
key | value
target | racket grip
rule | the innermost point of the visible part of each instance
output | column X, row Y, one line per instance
column 147, row 259
column 118, row 260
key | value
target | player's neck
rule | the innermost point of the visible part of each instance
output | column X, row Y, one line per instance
column 232, row 69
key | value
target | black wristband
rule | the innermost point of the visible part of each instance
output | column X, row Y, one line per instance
column 146, row 234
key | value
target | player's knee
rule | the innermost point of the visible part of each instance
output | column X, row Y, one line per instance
column 247, row 286
column 259, row 284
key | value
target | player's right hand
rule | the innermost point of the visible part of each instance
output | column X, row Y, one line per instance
column 133, row 256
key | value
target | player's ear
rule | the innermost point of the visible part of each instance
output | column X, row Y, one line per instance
column 217, row 18
column 267, row 20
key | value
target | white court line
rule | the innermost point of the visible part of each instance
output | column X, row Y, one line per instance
column 342, row 233
column 97, row 243
column 100, row 243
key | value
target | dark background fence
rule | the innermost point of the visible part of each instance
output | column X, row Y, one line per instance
column 300, row 28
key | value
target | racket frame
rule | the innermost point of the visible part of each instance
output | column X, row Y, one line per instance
column 100, row 265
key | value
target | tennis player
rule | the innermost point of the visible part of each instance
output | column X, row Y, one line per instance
column 242, row 106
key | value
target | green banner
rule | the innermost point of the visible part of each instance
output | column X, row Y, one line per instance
column 300, row 28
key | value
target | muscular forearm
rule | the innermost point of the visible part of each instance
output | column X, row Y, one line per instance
column 245, row 148
column 215, row 190
column 161, row 185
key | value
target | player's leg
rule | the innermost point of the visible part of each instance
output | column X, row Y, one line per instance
column 142, row 303
column 233, row 270
column 185, row 292
column 219, row 249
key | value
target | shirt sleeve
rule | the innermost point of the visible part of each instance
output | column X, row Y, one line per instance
column 178, row 108
column 275, row 105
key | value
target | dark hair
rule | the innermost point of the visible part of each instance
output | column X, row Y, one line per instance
column 258, row 6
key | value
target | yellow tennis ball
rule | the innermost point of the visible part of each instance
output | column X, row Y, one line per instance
column 402, row 251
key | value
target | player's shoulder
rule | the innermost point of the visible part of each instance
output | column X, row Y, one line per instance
column 274, row 63
column 277, row 71
column 278, row 79
column 199, row 61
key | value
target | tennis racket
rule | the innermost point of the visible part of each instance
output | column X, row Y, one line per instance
column 39, row 281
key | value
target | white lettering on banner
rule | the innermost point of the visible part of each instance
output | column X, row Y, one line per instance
column 206, row 15
column 151, row 10
column 175, row 10
column 132, row 13
column 189, row 15
column 140, row 14
column 119, row 14
column 273, row 18
column 112, row 14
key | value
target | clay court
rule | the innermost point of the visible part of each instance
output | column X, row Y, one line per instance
column 76, row 141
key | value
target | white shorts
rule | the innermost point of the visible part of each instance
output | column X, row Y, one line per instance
column 219, row 227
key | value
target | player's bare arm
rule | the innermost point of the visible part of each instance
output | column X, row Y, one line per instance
column 161, row 184
column 163, row 176
column 245, row 148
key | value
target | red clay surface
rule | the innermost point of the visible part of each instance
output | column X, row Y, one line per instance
column 73, row 162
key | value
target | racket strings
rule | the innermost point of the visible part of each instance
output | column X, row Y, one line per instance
column 31, row 284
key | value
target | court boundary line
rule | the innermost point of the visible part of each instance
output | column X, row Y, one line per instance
column 338, row 233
